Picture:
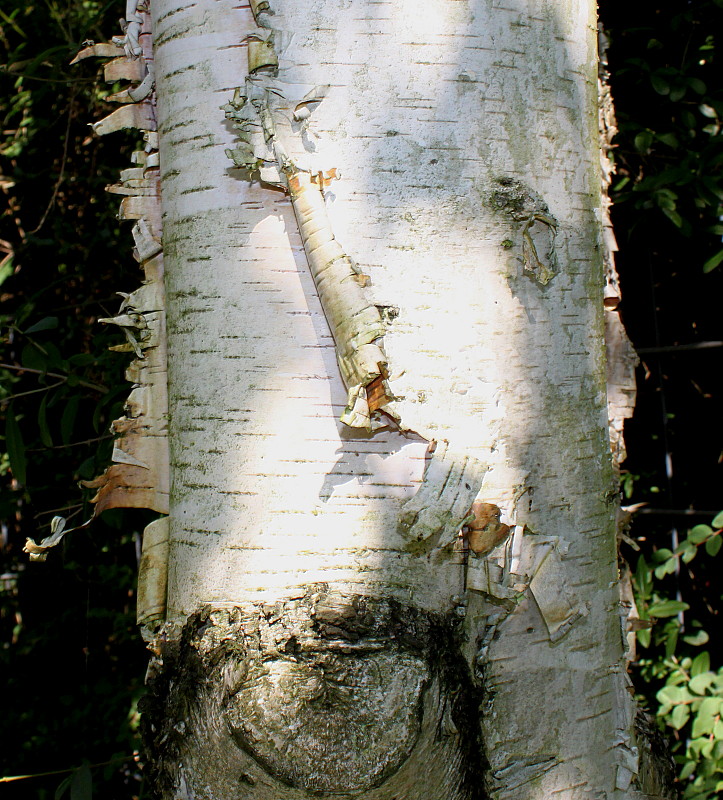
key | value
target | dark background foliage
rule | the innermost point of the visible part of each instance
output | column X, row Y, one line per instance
column 665, row 60
column 72, row 662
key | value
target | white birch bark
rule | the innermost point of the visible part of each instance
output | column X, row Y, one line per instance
column 465, row 134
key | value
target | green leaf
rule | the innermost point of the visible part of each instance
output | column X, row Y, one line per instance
column 712, row 546
column 718, row 520
column 643, row 637
column 679, row 717
column 67, row 421
column 697, row 85
column 677, row 93
column 705, row 718
column 707, row 111
column 696, row 745
column 667, row 608
column 701, row 663
column 684, row 546
column 710, row 707
column 660, row 85
column 701, row 683
column 81, row 787
column 6, row 270
column 689, row 554
column 673, row 216
column 674, row 695
column 668, row 138
column 687, row 771
column 54, row 357
column 87, row 469
column 697, row 639
column 81, row 359
column 700, row 533
column 643, row 141
column 643, row 578
column 15, row 446
column 666, row 568
column 688, row 119
column 621, row 184
column 45, row 324
column 662, row 554
column 33, row 358
column 45, row 436
column 713, row 262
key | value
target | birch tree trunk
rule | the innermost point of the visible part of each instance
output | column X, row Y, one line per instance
column 392, row 568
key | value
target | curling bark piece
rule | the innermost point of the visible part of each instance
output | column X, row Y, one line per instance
column 485, row 532
column 153, row 574
column 139, row 474
column 355, row 323
column 443, row 503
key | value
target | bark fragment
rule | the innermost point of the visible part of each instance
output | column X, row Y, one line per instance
column 485, row 531
column 39, row 551
column 524, row 564
column 355, row 322
column 442, row 505
column 153, row 574
column 536, row 235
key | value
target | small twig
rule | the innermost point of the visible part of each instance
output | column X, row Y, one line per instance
column 678, row 348
column 52, row 80
column 71, row 444
column 81, row 382
column 32, row 391
column 55, row 510
column 78, row 508
column 61, row 174
column 63, row 771
column 675, row 512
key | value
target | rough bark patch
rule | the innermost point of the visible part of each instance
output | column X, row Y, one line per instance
column 320, row 696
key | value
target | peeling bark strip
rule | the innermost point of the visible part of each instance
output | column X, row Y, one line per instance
column 139, row 475
column 265, row 114
column 443, row 503
column 621, row 356
column 153, row 574
column 329, row 694
column 355, row 323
